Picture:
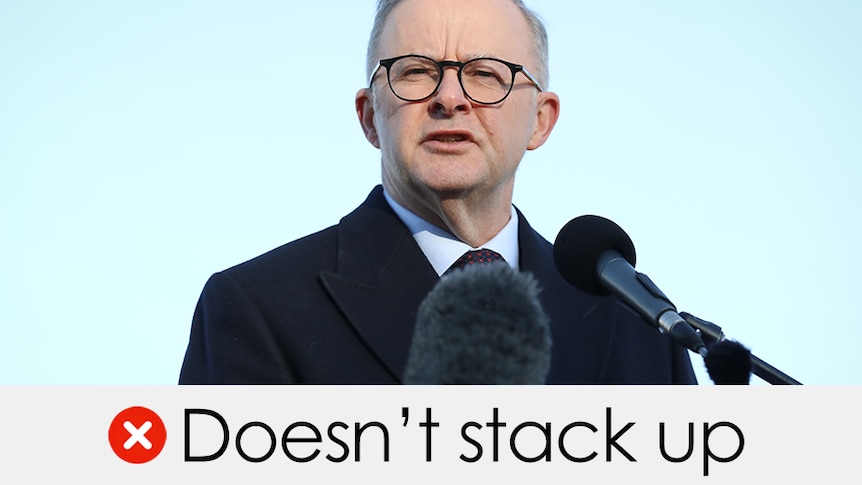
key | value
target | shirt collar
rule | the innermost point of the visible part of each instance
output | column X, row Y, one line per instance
column 442, row 248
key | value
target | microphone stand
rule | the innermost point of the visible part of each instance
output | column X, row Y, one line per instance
column 713, row 333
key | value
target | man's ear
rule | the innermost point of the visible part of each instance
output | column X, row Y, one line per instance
column 365, row 111
column 547, row 112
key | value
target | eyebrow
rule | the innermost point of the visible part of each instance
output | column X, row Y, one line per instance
column 465, row 59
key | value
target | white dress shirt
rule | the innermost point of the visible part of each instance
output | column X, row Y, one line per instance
column 442, row 248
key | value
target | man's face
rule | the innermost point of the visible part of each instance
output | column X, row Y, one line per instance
column 447, row 146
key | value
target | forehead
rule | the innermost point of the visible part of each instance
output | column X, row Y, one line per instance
column 458, row 29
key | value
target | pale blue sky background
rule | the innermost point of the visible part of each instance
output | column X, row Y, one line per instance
column 146, row 145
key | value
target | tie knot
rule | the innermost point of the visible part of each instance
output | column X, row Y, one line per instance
column 477, row 256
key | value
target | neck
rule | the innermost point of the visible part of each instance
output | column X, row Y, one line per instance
column 472, row 217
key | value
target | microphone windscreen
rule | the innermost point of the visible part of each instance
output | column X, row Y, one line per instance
column 482, row 324
column 728, row 362
column 580, row 244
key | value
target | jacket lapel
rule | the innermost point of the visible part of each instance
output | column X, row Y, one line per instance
column 382, row 277
column 380, row 280
column 582, row 326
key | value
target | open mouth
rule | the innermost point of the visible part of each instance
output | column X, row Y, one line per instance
column 449, row 138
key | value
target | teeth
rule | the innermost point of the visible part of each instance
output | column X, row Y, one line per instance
column 450, row 138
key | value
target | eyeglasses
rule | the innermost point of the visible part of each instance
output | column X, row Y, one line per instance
column 484, row 80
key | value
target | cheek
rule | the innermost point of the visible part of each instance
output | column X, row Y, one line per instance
column 394, row 124
column 490, row 127
column 506, row 133
column 521, row 130
column 386, row 130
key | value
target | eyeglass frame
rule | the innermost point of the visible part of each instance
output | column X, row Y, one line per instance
column 442, row 65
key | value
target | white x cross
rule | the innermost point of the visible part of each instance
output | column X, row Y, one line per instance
column 137, row 435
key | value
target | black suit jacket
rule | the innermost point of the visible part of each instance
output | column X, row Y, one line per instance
column 339, row 307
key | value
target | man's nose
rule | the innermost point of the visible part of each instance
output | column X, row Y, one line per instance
column 450, row 96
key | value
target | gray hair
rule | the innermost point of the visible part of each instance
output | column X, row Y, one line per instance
column 537, row 27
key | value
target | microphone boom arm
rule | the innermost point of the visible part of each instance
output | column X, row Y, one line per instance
column 713, row 333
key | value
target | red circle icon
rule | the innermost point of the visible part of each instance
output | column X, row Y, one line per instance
column 137, row 434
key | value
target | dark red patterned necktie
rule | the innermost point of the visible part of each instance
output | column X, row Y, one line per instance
column 478, row 256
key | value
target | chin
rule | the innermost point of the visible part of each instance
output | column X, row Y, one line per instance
column 456, row 179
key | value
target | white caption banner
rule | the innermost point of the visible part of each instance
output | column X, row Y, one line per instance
column 430, row 434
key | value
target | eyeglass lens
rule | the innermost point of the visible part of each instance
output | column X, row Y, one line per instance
column 484, row 80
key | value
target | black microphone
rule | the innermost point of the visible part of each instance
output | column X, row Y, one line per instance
column 728, row 362
column 482, row 324
column 596, row 256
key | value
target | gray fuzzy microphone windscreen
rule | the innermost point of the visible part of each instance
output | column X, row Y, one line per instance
column 483, row 324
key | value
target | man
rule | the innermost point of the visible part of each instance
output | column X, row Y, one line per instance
column 455, row 98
